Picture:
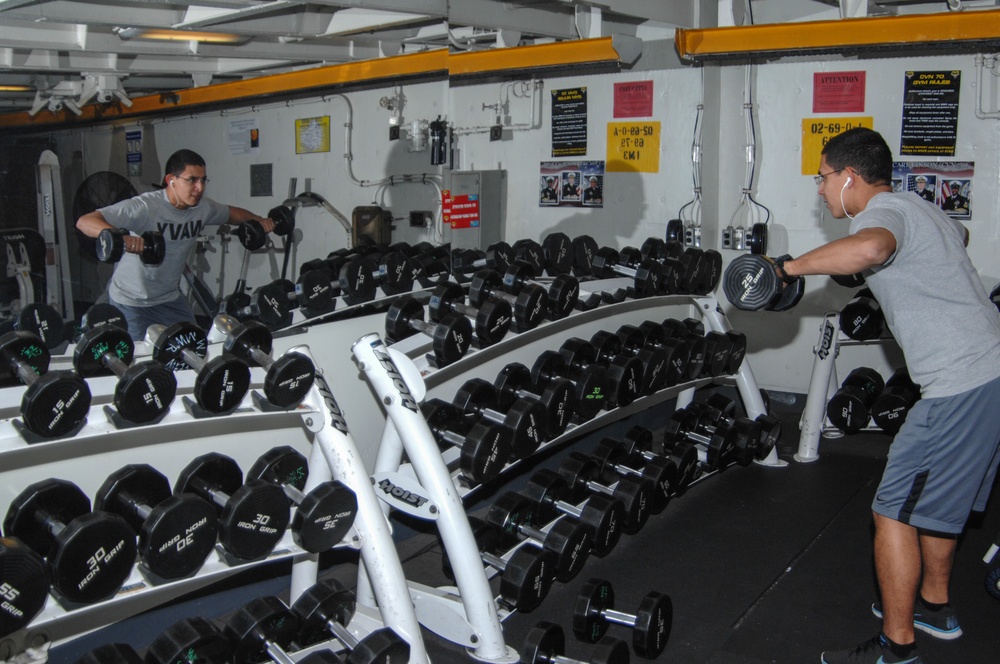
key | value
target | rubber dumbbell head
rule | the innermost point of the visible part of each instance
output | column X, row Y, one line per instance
column 558, row 396
column 751, row 283
column 525, row 418
column 111, row 246
column 614, row 462
column 570, row 541
column 111, row 653
column 895, row 401
column 624, row 379
column 222, row 381
column 546, row 644
column 646, row 276
column 605, row 515
column 650, row 623
column 322, row 517
column 557, row 249
column 850, row 406
column 529, row 305
column 582, row 476
column 592, row 385
column 176, row 533
column 56, row 403
column 451, row 336
column 193, row 639
column 144, row 390
column 252, row 516
column 289, row 377
column 485, row 446
column 42, row 320
column 862, row 319
column 492, row 318
column 25, row 577
column 324, row 611
column 90, row 554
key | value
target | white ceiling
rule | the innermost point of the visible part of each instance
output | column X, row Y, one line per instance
column 98, row 51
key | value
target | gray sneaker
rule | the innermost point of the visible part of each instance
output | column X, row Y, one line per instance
column 941, row 624
column 873, row 651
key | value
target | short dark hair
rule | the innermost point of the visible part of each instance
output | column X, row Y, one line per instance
column 180, row 160
column 865, row 151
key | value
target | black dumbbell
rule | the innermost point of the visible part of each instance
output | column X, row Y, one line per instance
column 289, row 377
column 747, row 434
column 723, row 350
column 466, row 262
column 102, row 313
column 676, row 353
column 111, row 653
column 391, row 272
column 603, row 514
column 322, row 517
column 222, row 381
column 451, row 336
column 176, row 532
column 272, row 303
column 770, row 426
column 529, row 306
column 562, row 292
column 485, row 447
column 895, row 400
column 558, row 397
column 90, row 554
column 261, row 630
column 570, row 541
column 716, row 444
column 591, row 383
column 650, row 624
column 25, row 579
column 582, row 475
column 42, row 320
column 584, row 248
column 700, row 270
column 252, row 234
column 546, row 643
column 526, row 576
column 525, row 418
column 624, row 374
column 252, row 516
column 56, row 403
column 677, row 277
column 862, row 319
column 557, row 250
column 640, row 446
column 637, row 367
column 111, row 246
column 430, row 264
column 646, row 275
column 693, row 346
column 144, row 390
column 190, row 640
column 492, row 318
column 324, row 611
column 850, row 406
column 751, row 282
column 350, row 278
column 614, row 461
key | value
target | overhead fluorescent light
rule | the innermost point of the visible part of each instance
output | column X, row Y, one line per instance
column 180, row 35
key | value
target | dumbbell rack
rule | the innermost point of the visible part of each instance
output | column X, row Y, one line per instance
column 100, row 447
column 823, row 382
column 469, row 614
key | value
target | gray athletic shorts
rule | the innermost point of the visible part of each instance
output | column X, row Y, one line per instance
column 943, row 461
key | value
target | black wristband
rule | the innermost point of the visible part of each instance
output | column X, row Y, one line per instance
column 779, row 263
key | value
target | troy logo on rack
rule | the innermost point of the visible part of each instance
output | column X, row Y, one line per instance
column 336, row 415
column 382, row 355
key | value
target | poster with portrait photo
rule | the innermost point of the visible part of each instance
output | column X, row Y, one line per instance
column 947, row 185
column 571, row 184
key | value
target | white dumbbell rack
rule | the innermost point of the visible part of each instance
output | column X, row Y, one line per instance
column 823, row 382
column 468, row 614
column 315, row 428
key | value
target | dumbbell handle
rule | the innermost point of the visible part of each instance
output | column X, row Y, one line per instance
column 493, row 560
column 491, row 415
column 277, row 653
column 532, row 533
column 218, row 496
column 599, row 488
column 261, row 358
column 114, row 363
column 49, row 522
column 568, row 508
column 342, row 634
column 618, row 617
column 448, row 436
column 626, row 470
column 24, row 372
column 423, row 326
column 293, row 493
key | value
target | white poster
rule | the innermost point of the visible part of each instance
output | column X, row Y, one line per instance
column 243, row 136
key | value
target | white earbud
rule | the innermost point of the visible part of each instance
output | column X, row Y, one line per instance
column 849, row 215
column 849, row 180
column 172, row 184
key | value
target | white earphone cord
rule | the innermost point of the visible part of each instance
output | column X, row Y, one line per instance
column 849, row 215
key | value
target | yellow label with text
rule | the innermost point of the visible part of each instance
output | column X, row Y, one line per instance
column 817, row 131
column 633, row 147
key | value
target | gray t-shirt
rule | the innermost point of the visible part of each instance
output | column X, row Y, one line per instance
column 140, row 285
column 933, row 299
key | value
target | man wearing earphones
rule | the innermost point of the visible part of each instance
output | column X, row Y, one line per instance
column 943, row 460
column 149, row 294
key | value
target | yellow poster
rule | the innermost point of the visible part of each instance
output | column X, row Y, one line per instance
column 817, row 131
column 633, row 147
column 312, row 135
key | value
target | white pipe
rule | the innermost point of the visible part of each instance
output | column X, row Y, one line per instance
column 982, row 115
column 453, row 523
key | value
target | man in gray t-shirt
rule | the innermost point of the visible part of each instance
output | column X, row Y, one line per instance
column 149, row 294
column 943, row 461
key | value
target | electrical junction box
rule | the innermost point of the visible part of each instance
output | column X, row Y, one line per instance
column 476, row 208
column 370, row 223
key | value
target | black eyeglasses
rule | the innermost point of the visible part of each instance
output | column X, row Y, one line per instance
column 194, row 180
column 821, row 178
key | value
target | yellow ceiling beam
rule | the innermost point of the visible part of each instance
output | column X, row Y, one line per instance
column 612, row 49
column 943, row 29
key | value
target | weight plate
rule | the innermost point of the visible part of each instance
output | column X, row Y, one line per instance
column 55, row 404
column 43, row 321
column 289, row 379
column 92, row 557
column 24, row 578
column 750, row 282
column 254, row 519
column 178, row 535
column 222, row 383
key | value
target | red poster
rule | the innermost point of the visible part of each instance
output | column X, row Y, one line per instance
column 634, row 100
column 839, row 92
column 460, row 211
